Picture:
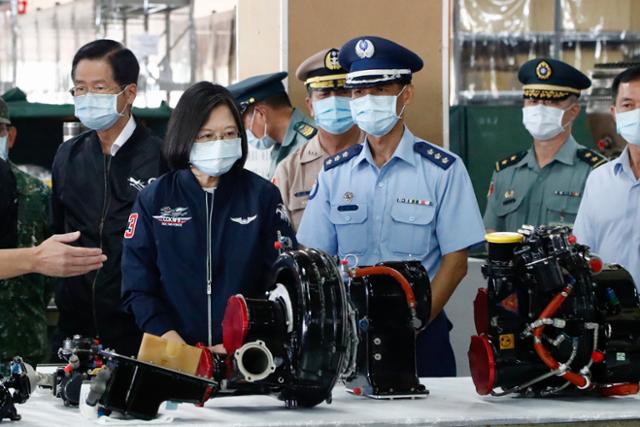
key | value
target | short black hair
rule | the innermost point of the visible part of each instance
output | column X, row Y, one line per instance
column 628, row 75
column 124, row 64
column 277, row 101
column 191, row 112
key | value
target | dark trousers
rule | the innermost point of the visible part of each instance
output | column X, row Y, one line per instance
column 434, row 355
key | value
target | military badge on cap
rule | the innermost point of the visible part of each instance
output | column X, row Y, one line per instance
column 322, row 70
column 543, row 70
column 257, row 88
column 548, row 78
column 331, row 60
column 364, row 49
column 374, row 61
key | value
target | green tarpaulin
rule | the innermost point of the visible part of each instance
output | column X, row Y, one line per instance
column 20, row 108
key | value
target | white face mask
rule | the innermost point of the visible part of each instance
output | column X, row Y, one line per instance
column 216, row 158
column 263, row 143
column 628, row 125
column 376, row 114
column 543, row 122
column 98, row 111
column 4, row 149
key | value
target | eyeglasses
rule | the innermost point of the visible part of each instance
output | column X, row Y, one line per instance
column 98, row 90
column 210, row 136
column 4, row 128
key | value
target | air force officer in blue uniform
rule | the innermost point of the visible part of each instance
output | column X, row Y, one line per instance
column 395, row 196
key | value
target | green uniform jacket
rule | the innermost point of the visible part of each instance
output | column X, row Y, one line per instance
column 300, row 130
column 523, row 193
column 23, row 300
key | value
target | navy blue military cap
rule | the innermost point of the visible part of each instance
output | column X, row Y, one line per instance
column 257, row 88
column 372, row 61
column 546, row 78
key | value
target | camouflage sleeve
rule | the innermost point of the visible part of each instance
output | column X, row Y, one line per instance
column 49, row 282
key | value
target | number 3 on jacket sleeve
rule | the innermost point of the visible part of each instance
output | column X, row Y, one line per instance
column 131, row 226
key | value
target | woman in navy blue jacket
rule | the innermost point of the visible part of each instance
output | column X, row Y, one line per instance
column 204, row 231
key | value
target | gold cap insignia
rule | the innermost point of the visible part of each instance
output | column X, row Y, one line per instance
column 543, row 70
column 331, row 60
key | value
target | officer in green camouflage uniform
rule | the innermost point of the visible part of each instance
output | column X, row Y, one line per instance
column 23, row 300
column 526, row 187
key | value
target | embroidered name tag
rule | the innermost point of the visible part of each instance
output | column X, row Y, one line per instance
column 347, row 208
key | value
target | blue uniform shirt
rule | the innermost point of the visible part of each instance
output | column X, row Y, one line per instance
column 608, row 216
column 419, row 205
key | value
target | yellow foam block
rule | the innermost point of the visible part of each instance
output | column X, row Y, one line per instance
column 169, row 354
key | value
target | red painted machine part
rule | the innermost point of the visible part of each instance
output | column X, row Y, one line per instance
column 620, row 389
column 482, row 364
column 235, row 324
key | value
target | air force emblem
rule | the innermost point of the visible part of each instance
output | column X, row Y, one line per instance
column 244, row 220
column 364, row 49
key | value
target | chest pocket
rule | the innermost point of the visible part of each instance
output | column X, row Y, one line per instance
column 511, row 214
column 298, row 201
column 412, row 229
column 562, row 210
column 350, row 221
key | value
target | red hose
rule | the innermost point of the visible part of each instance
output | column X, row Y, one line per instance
column 393, row 273
column 543, row 353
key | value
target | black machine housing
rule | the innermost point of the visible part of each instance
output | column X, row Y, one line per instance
column 321, row 321
column 553, row 320
column 14, row 389
column 81, row 357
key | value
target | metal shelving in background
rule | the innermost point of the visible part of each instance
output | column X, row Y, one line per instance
column 177, row 42
column 492, row 38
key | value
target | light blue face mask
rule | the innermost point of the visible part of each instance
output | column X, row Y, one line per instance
column 263, row 143
column 97, row 111
column 215, row 158
column 376, row 114
column 628, row 126
column 333, row 114
column 4, row 150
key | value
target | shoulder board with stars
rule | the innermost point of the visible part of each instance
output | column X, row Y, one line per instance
column 305, row 129
column 590, row 157
column 342, row 157
column 434, row 154
column 510, row 160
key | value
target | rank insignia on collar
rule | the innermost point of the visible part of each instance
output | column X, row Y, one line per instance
column 434, row 154
column 305, row 129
